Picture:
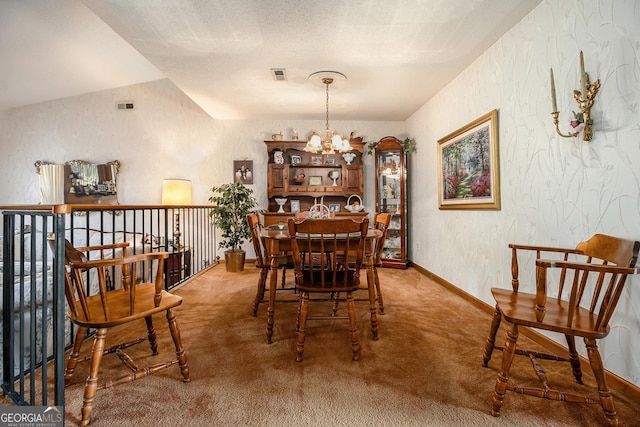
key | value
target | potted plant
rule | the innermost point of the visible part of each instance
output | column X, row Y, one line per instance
column 233, row 203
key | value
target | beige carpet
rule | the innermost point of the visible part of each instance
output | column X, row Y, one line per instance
column 425, row 370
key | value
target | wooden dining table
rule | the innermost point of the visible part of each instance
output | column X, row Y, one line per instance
column 277, row 242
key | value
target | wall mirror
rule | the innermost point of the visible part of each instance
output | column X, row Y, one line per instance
column 78, row 182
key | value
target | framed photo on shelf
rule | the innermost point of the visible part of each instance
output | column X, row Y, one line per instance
column 295, row 159
column 295, row 206
column 243, row 171
column 315, row 180
column 334, row 207
column 316, row 161
column 329, row 161
column 468, row 176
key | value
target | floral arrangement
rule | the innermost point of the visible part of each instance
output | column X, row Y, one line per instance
column 577, row 120
column 577, row 123
column 407, row 146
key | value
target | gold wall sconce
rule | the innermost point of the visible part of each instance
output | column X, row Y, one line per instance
column 584, row 97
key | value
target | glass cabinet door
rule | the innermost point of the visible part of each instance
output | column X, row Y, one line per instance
column 391, row 199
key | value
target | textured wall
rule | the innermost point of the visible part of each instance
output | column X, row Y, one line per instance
column 555, row 191
column 165, row 136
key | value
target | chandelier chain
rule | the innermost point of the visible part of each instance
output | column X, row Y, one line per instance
column 330, row 143
column 327, row 116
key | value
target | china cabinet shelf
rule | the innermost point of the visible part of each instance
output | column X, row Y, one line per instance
column 306, row 178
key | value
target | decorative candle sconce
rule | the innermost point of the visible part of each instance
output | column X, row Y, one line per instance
column 584, row 97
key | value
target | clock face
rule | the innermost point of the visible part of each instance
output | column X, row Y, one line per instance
column 278, row 157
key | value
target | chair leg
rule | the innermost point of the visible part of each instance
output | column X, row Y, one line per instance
column 284, row 276
column 151, row 334
column 353, row 328
column 573, row 358
column 378, row 292
column 491, row 340
column 175, row 334
column 303, row 309
column 73, row 357
column 91, row 385
column 598, row 371
column 372, row 300
column 262, row 285
column 503, row 376
column 334, row 309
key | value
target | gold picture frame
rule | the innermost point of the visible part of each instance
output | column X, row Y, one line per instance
column 468, row 169
column 315, row 180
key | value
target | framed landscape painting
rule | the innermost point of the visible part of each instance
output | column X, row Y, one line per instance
column 468, row 170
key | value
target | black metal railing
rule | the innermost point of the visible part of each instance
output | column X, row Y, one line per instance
column 35, row 329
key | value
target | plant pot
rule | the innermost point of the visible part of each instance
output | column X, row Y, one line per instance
column 234, row 261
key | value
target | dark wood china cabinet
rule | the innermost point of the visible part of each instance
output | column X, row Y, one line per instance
column 391, row 197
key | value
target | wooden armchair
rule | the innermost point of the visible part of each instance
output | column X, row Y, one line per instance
column 587, row 293
column 109, row 308
column 330, row 241
column 262, row 261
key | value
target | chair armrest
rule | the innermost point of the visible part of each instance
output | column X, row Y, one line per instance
column 600, row 268
column 545, row 249
column 515, row 283
column 129, row 269
column 120, row 261
column 103, row 247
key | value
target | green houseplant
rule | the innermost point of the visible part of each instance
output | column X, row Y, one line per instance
column 233, row 203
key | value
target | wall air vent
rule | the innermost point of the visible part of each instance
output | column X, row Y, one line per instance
column 279, row 74
column 124, row 105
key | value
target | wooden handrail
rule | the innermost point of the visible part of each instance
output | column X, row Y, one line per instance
column 61, row 209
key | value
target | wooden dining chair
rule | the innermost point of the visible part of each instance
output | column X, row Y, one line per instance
column 590, row 280
column 263, row 262
column 130, row 303
column 381, row 222
column 374, row 255
column 330, row 241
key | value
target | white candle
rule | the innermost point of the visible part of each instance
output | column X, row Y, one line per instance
column 583, row 77
column 554, row 105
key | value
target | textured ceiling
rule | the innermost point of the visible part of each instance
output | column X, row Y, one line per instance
column 396, row 54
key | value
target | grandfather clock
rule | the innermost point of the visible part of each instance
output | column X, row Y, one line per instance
column 391, row 198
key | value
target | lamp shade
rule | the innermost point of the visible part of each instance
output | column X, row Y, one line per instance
column 176, row 192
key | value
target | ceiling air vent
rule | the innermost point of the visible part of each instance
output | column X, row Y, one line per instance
column 124, row 105
column 279, row 74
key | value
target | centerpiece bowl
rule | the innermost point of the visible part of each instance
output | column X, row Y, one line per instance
column 280, row 202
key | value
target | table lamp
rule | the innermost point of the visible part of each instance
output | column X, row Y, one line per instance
column 176, row 192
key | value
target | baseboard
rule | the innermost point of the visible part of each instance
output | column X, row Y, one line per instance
column 613, row 380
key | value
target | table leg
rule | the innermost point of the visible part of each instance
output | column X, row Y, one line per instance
column 273, row 284
column 372, row 298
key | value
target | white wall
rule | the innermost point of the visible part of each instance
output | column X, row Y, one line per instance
column 554, row 191
column 165, row 136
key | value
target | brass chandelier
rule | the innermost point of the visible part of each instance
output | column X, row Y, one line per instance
column 332, row 141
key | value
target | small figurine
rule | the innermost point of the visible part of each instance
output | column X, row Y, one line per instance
column 389, row 191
